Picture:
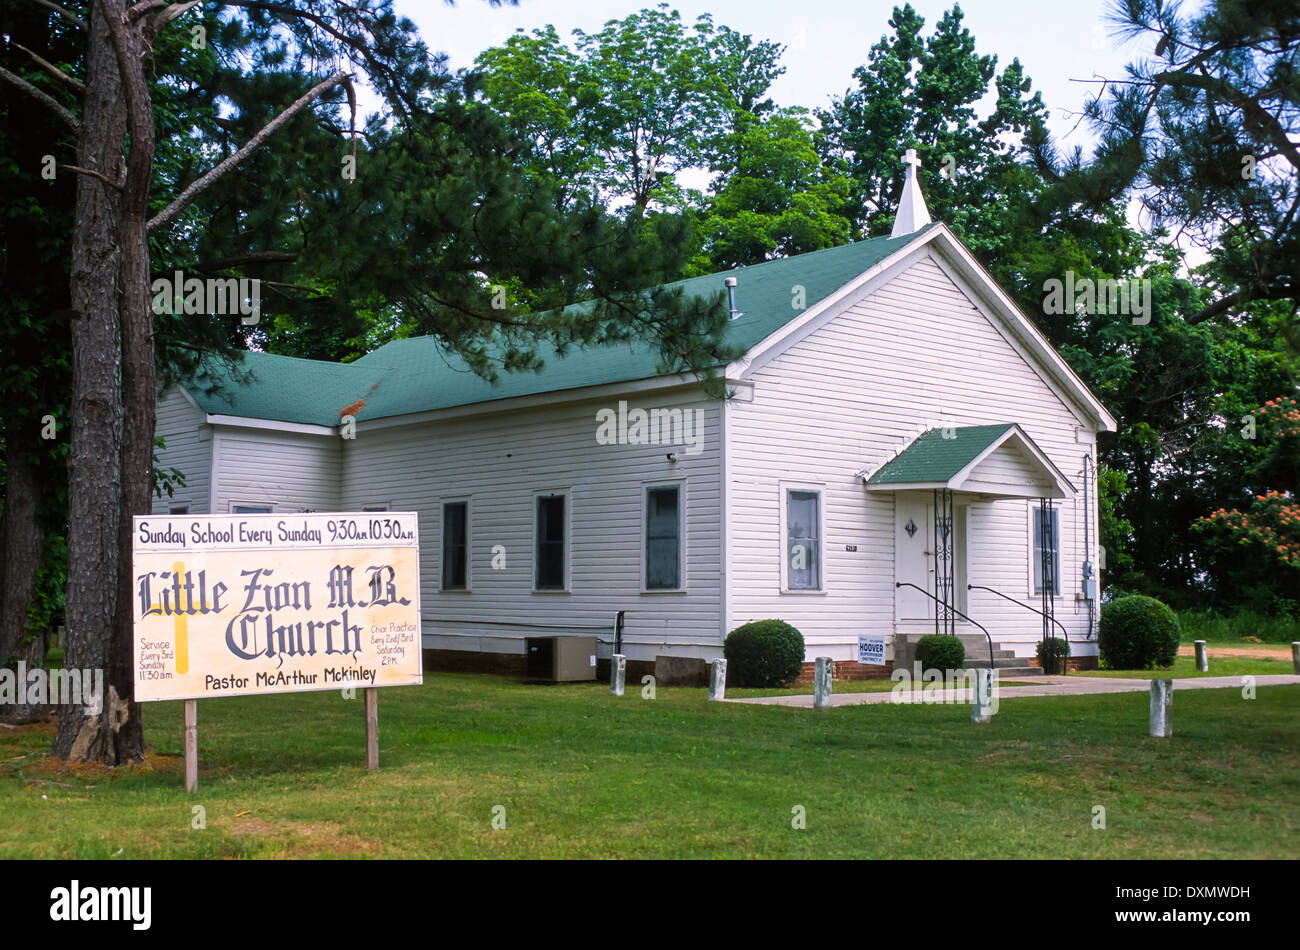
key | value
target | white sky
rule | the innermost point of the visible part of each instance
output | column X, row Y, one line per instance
column 825, row 39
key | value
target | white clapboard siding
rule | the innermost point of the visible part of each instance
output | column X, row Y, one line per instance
column 915, row 353
column 286, row 471
column 498, row 462
column 1008, row 467
column 188, row 448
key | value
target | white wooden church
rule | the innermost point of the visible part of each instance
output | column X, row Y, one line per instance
column 902, row 452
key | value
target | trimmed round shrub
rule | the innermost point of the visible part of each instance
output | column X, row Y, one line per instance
column 938, row 651
column 1052, row 654
column 1137, row 633
column 764, row 654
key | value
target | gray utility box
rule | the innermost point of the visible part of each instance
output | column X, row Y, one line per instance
column 561, row 659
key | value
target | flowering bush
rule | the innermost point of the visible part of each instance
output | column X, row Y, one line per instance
column 1272, row 522
column 1283, row 414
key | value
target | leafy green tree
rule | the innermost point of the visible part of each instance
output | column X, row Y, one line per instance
column 778, row 199
column 615, row 118
column 1115, row 530
column 533, row 80
column 918, row 91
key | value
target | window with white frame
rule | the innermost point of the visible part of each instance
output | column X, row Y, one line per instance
column 552, row 542
column 663, row 537
column 803, row 541
column 1049, row 519
column 250, row 509
column 455, row 545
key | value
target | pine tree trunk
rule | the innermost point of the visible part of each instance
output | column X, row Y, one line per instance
column 22, row 543
column 94, row 460
column 31, row 652
column 139, row 377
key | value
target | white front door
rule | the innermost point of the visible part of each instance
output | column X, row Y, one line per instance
column 913, row 557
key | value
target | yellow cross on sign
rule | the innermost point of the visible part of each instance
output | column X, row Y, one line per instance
column 180, row 623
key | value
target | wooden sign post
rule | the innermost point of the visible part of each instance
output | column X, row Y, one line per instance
column 371, row 696
column 191, row 744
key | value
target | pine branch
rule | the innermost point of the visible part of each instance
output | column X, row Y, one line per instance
column 1227, row 302
column 67, row 15
column 44, row 98
column 139, row 9
column 1255, row 114
column 252, row 257
column 171, row 12
column 206, row 180
column 117, row 185
column 52, row 69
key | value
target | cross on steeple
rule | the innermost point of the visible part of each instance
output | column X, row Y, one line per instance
column 912, row 213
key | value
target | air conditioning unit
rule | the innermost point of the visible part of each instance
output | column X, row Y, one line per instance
column 561, row 659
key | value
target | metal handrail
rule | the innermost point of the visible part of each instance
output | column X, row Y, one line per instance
column 1064, row 662
column 898, row 584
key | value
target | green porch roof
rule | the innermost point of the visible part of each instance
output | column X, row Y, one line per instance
column 932, row 458
column 419, row 374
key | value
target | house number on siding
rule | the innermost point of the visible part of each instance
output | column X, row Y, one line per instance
column 850, row 547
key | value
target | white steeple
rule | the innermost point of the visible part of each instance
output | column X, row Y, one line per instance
column 912, row 212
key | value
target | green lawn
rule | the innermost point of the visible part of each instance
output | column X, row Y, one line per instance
column 1185, row 667
column 583, row 774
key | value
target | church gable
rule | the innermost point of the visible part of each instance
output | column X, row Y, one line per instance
column 929, row 312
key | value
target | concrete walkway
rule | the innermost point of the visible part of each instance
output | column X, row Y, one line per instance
column 1045, row 686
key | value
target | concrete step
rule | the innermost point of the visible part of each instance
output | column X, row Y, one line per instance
column 1005, row 667
column 974, row 651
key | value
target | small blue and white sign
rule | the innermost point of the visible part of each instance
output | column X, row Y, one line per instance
column 871, row 650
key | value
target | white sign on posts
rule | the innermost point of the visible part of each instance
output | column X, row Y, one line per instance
column 871, row 650
column 232, row 605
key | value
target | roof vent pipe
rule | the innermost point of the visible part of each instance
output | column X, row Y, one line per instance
column 731, row 298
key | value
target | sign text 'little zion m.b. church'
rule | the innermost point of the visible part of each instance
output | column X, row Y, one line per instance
column 260, row 603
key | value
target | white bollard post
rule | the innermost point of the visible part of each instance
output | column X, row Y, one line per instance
column 1295, row 655
column 617, row 674
column 717, row 679
column 1162, row 702
column 1202, row 660
column 822, row 682
column 981, row 701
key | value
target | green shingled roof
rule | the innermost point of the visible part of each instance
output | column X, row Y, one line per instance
column 419, row 374
column 932, row 458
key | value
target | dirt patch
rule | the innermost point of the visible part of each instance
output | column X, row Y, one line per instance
column 323, row 836
column 253, row 826
column 152, row 762
column 37, row 728
column 1251, row 653
column 49, row 765
column 306, row 838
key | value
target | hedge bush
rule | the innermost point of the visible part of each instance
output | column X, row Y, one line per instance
column 1137, row 633
column 937, row 651
column 1052, row 654
column 764, row 654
